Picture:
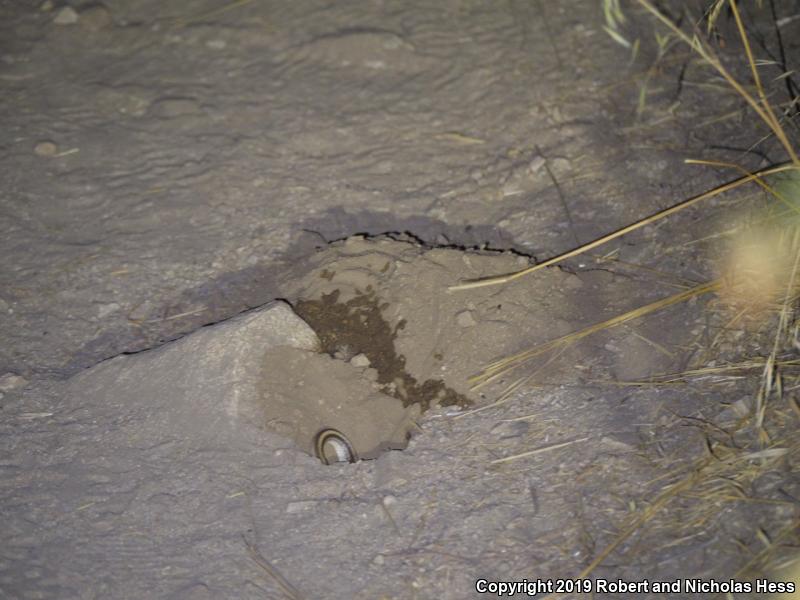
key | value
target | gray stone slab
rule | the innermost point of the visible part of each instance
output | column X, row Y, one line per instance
column 261, row 368
column 205, row 382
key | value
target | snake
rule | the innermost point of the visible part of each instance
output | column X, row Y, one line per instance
column 338, row 442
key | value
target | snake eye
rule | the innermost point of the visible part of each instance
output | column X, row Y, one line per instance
column 331, row 446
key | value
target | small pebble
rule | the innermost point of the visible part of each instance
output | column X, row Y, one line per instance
column 103, row 310
column 536, row 165
column 45, row 148
column 300, row 506
column 465, row 319
column 66, row 16
column 616, row 445
column 216, row 44
column 47, row 6
column 12, row 381
column 378, row 560
column 510, row 429
column 360, row 360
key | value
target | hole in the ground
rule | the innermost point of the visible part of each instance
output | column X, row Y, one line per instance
column 357, row 326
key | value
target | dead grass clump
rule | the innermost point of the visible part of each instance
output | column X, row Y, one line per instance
column 759, row 282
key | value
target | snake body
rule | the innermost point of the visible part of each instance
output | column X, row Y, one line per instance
column 333, row 439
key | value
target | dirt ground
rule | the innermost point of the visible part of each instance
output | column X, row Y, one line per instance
column 167, row 165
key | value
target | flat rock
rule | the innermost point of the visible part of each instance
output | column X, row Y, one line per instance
column 203, row 384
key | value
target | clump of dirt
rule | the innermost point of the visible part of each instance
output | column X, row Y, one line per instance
column 390, row 300
column 357, row 326
column 305, row 393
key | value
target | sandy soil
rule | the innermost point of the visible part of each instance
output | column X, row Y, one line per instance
column 169, row 165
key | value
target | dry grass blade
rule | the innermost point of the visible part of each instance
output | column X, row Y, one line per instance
column 658, row 504
column 730, row 370
column 757, row 177
column 536, row 451
column 771, row 547
column 705, row 51
column 498, row 368
column 713, row 14
column 291, row 592
column 772, row 121
column 508, row 277
column 720, row 478
column 508, row 392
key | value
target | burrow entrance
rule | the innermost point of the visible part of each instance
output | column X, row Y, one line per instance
column 384, row 314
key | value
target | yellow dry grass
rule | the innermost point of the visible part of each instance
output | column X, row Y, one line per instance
column 758, row 276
